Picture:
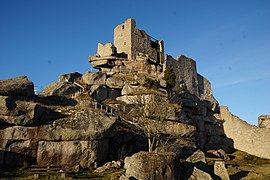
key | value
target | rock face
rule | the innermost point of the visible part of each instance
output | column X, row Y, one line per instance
column 19, row 86
column 146, row 165
column 185, row 71
column 26, row 113
column 60, row 89
column 264, row 121
column 83, row 153
column 63, row 142
column 92, row 78
column 246, row 137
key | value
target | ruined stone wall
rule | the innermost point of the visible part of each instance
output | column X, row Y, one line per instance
column 264, row 121
column 246, row 137
column 205, row 89
column 122, row 37
column 184, row 69
column 104, row 50
column 129, row 39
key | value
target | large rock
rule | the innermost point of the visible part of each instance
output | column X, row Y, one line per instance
column 264, row 121
column 60, row 89
column 83, row 153
column 17, row 152
column 6, row 104
column 114, row 83
column 220, row 170
column 197, row 156
column 26, row 113
column 81, row 139
column 94, row 78
column 134, row 90
column 141, row 99
column 71, row 77
column 149, row 165
column 172, row 128
column 114, row 93
column 99, row 92
column 19, row 86
column 199, row 174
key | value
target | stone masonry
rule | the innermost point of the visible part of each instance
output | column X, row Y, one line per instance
column 264, row 121
column 246, row 137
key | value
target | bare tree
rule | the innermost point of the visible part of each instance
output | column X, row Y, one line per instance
column 149, row 116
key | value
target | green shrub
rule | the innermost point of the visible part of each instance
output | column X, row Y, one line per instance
column 151, row 83
column 169, row 77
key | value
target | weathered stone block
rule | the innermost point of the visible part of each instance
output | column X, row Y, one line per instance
column 220, row 170
column 94, row 78
column 149, row 165
column 19, row 86
column 60, row 89
column 83, row 153
column 115, row 83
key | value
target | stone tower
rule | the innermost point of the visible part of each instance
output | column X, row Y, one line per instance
column 135, row 43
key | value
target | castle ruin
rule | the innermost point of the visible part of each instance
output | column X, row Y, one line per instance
column 133, row 49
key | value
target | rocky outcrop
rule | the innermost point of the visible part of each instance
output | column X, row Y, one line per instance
column 246, row 137
column 60, row 89
column 149, row 165
column 25, row 113
column 19, row 86
column 84, row 153
column 80, row 139
column 94, row 78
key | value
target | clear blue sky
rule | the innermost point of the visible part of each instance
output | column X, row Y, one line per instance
column 229, row 39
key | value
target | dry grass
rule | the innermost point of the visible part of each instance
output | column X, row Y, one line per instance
column 246, row 166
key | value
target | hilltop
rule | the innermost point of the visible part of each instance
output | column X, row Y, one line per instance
column 143, row 111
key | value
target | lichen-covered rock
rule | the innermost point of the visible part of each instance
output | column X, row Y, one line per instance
column 6, row 104
column 71, row 77
column 150, row 165
column 81, row 139
column 220, row 170
column 83, row 153
column 19, row 86
column 26, row 113
column 114, row 83
column 199, row 174
column 141, row 99
column 133, row 90
column 94, row 78
column 60, row 89
column 197, row 156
